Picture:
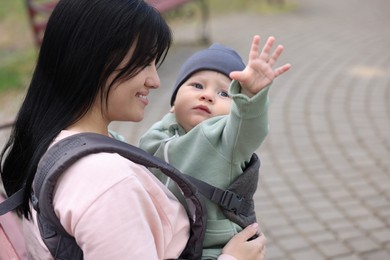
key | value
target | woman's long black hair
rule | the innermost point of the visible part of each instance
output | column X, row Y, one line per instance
column 84, row 42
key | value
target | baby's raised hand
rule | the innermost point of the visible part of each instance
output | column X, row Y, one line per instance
column 259, row 71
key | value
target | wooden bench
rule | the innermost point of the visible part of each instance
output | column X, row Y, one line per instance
column 39, row 12
column 6, row 124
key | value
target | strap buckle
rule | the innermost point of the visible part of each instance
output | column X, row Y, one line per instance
column 231, row 201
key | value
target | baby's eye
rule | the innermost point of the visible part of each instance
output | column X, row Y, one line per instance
column 223, row 94
column 197, row 85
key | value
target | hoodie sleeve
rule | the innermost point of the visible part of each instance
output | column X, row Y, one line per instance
column 240, row 133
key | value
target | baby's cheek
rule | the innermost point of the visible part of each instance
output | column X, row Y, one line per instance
column 226, row 106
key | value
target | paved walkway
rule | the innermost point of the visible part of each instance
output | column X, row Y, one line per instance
column 325, row 179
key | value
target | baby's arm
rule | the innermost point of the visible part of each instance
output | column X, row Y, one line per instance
column 259, row 72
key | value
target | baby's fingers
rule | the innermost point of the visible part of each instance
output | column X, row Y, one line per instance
column 265, row 53
column 254, row 51
column 275, row 56
column 282, row 69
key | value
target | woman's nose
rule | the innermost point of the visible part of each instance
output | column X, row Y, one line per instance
column 152, row 80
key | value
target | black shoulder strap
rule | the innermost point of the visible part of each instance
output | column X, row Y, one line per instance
column 12, row 202
column 64, row 153
column 236, row 202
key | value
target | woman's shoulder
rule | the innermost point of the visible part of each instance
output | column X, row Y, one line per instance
column 99, row 171
column 102, row 175
column 95, row 174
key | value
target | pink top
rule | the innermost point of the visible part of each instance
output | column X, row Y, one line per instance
column 115, row 209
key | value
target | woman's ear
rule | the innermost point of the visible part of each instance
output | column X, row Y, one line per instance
column 172, row 110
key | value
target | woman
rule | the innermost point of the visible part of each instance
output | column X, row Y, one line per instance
column 96, row 65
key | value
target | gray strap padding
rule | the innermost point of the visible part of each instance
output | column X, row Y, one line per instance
column 67, row 151
column 245, row 186
column 12, row 202
column 236, row 201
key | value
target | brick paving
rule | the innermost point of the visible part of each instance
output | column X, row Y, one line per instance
column 325, row 180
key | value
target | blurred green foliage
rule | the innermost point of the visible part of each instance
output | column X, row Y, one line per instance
column 18, row 52
column 217, row 7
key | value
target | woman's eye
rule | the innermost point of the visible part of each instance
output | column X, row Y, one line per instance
column 223, row 94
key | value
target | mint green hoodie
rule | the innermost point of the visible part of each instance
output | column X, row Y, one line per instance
column 215, row 151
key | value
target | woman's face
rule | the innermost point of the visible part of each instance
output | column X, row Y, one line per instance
column 128, row 98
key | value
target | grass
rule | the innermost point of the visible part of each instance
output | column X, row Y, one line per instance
column 258, row 6
column 18, row 52
column 16, row 68
column 218, row 7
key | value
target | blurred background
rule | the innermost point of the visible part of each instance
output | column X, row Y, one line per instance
column 324, row 190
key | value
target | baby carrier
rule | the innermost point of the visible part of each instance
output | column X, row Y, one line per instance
column 236, row 201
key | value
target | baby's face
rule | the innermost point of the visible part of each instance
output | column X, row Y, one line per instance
column 202, row 96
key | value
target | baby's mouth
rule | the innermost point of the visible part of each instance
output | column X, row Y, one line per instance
column 203, row 108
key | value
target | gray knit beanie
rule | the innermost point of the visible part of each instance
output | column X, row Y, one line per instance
column 216, row 58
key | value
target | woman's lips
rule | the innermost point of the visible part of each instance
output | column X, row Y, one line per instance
column 143, row 99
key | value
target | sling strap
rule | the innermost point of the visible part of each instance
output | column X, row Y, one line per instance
column 236, row 202
column 12, row 202
column 67, row 151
